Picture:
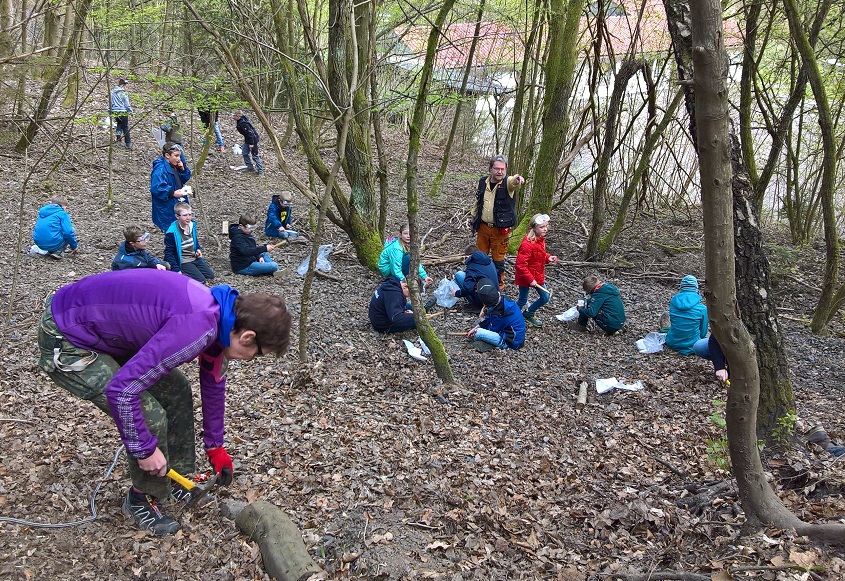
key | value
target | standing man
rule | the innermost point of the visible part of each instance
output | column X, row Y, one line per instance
column 120, row 110
column 250, row 146
column 167, row 184
column 206, row 116
column 495, row 212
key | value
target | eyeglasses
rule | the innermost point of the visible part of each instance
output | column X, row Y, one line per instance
column 173, row 149
column 143, row 237
column 249, row 227
column 259, row 351
column 185, row 214
column 541, row 219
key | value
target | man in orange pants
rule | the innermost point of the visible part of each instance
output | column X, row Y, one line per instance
column 495, row 212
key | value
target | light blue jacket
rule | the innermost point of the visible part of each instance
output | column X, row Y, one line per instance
column 688, row 317
column 120, row 101
column 53, row 229
column 390, row 261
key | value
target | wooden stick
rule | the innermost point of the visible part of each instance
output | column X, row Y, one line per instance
column 456, row 334
column 582, row 396
column 328, row 276
column 432, row 315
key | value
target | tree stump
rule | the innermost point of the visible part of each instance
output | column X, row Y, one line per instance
column 280, row 541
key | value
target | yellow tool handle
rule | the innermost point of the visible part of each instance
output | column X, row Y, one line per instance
column 188, row 484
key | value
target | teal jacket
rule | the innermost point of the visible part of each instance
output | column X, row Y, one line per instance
column 605, row 306
column 390, row 261
column 688, row 317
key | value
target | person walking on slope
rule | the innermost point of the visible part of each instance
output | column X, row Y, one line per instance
column 250, row 147
column 120, row 110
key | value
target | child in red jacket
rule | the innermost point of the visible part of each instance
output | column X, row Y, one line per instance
column 530, row 269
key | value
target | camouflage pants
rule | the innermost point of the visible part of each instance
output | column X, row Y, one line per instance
column 167, row 405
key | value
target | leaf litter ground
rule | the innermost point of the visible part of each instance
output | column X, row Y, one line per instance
column 510, row 481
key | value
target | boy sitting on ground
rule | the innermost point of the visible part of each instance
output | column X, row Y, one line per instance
column 478, row 266
column 389, row 309
column 603, row 305
column 133, row 251
column 501, row 324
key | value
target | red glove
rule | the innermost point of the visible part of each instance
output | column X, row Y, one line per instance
column 222, row 463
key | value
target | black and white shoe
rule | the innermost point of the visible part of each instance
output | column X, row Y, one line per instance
column 146, row 512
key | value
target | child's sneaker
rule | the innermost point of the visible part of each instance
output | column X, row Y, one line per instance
column 532, row 319
column 145, row 511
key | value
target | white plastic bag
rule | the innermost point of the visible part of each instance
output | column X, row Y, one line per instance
column 651, row 343
column 569, row 314
column 236, row 149
column 322, row 260
column 605, row 385
column 445, row 293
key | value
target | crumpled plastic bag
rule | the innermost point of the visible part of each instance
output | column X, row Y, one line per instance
column 445, row 293
column 605, row 385
column 651, row 343
column 236, row 149
column 414, row 351
column 569, row 314
column 322, row 260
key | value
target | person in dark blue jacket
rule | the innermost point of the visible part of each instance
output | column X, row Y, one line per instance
column 388, row 307
column 167, row 184
column 501, row 322
column 478, row 265
column 279, row 216
column 133, row 251
column 247, row 256
column 249, row 149
column 53, row 231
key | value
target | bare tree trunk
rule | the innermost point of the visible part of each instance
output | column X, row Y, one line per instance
column 516, row 143
column 753, row 284
column 438, row 353
column 627, row 70
column 444, row 163
column 52, row 80
column 564, row 21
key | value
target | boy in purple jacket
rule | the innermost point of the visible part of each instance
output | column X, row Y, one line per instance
column 117, row 339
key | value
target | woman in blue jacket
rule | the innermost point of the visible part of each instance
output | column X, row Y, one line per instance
column 688, row 317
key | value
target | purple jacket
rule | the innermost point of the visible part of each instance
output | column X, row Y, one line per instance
column 159, row 320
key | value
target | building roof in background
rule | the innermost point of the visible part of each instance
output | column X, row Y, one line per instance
column 499, row 44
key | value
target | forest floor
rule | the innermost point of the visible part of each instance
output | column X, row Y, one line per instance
column 507, row 481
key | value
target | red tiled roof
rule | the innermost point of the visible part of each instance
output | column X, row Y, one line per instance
column 499, row 44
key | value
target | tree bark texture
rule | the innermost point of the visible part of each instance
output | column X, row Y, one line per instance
column 438, row 353
column 714, row 151
column 284, row 554
column 753, row 287
column 562, row 53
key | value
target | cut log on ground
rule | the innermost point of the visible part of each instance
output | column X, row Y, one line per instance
column 284, row 554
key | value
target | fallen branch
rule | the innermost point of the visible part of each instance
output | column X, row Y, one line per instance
column 664, row 576
column 328, row 276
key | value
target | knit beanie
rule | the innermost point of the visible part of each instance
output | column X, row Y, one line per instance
column 689, row 283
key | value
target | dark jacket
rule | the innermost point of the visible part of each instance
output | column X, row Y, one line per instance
column 243, row 249
column 717, row 356
column 137, row 258
column 506, row 319
column 478, row 266
column 605, row 306
column 504, row 208
column 277, row 216
column 246, row 129
column 207, row 117
column 173, row 245
column 387, row 307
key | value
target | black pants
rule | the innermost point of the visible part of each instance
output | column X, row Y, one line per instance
column 123, row 128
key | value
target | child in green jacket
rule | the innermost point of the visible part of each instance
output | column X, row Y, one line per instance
column 603, row 305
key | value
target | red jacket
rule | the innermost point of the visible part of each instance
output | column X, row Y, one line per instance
column 531, row 262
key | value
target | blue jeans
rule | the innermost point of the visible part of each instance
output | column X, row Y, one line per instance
column 491, row 337
column 258, row 268
column 285, row 234
column 535, row 306
column 252, row 150
column 702, row 348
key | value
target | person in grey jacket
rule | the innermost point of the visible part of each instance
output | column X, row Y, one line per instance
column 120, row 110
